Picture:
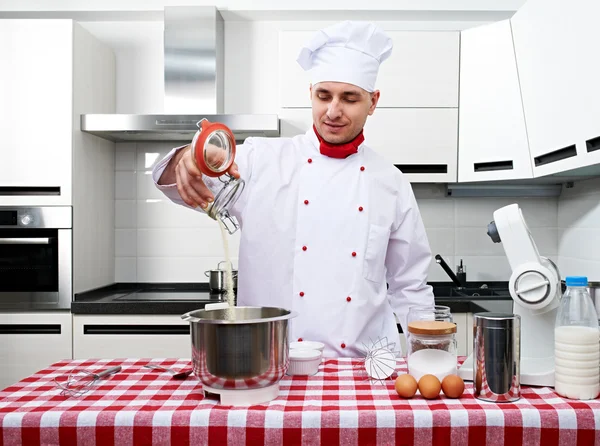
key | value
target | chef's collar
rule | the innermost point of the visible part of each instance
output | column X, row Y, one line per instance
column 339, row 151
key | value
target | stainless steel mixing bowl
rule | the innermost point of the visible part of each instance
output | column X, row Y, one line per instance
column 240, row 347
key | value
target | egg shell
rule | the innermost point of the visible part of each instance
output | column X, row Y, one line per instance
column 406, row 386
column 429, row 386
column 453, row 386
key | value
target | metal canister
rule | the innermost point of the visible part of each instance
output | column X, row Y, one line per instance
column 497, row 356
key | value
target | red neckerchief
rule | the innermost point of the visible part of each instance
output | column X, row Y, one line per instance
column 339, row 150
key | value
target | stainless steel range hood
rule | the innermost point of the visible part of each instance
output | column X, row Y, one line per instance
column 193, row 76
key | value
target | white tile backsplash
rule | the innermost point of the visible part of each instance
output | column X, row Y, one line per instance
column 146, row 190
column 579, row 230
column 125, row 155
column 437, row 213
column 441, row 240
column 475, row 241
column 164, row 214
column 125, row 185
column 125, row 243
column 125, row 269
column 184, row 242
column 125, row 214
column 177, row 269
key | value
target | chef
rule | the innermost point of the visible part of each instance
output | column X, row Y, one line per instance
column 329, row 228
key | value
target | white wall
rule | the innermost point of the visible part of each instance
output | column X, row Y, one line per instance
column 158, row 241
column 579, row 230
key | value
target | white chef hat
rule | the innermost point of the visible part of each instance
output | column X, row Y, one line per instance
column 348, row 52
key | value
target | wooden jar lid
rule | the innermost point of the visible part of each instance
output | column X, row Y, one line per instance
column 432, row 327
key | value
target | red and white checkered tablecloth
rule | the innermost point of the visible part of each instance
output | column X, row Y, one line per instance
column 139, row 406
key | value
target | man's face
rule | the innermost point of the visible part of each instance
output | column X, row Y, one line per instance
column 340, row 110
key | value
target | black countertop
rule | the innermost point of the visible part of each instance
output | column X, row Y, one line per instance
column 179, row 298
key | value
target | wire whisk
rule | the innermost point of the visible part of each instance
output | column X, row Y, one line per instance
column 80, row 382
column 379, row 360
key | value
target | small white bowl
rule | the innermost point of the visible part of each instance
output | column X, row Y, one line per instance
column 307, row 345
column 304, row 362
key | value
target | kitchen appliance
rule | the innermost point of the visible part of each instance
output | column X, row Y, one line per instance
column 240, row 353
column 535, row 288
column 35, row 258
column 193, row 86
column 497, row 341
column 216, row 279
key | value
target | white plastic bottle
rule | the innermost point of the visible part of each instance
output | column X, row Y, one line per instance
column 577, row 343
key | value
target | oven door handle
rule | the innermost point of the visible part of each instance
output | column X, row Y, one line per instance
column 25, row 241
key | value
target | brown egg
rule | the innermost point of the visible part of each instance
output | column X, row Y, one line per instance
column 453, row 386
column 429, row 386
column 406, row 386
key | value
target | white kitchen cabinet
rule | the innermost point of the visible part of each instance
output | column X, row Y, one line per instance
column 420, row 142
column 52, row 71
column 492, row 142
column 421, row 72
column 557, row 46
column 30, row 342
column 131, row 336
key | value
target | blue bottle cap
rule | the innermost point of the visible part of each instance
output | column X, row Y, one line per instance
column 576, row 281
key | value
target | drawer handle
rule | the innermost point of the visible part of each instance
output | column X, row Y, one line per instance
column 17, row 190
column 30, row 329
column 557, row 155
column 593, row 144
column 25, row 241
column 493, row 166
column 136, row 329
column 422, row 168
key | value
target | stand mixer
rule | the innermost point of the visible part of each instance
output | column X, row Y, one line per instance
column 536, row 290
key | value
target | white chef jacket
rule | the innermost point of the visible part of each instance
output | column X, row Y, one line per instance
column 323, row 236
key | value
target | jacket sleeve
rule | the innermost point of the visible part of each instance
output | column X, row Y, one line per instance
column 244, row 158
column 408, row 257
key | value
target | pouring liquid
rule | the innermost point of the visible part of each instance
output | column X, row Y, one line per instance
column 228, row 269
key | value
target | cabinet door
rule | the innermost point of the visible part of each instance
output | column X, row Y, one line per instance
column 421, row 72
column 421, row 142
column 137, row 336
column 492, row 141
column 557, row 45
column 29, row 342
column 36, row 116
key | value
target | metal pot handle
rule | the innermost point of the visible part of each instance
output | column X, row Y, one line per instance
column 206, row 273
column 189, row 318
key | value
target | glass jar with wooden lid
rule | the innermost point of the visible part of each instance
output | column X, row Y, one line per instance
column 431, row 348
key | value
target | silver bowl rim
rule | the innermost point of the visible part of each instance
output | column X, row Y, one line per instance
column 190, row 317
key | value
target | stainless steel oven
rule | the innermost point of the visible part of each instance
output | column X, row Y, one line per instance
column 36, row 258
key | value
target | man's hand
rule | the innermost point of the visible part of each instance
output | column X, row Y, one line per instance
column 183, row 171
